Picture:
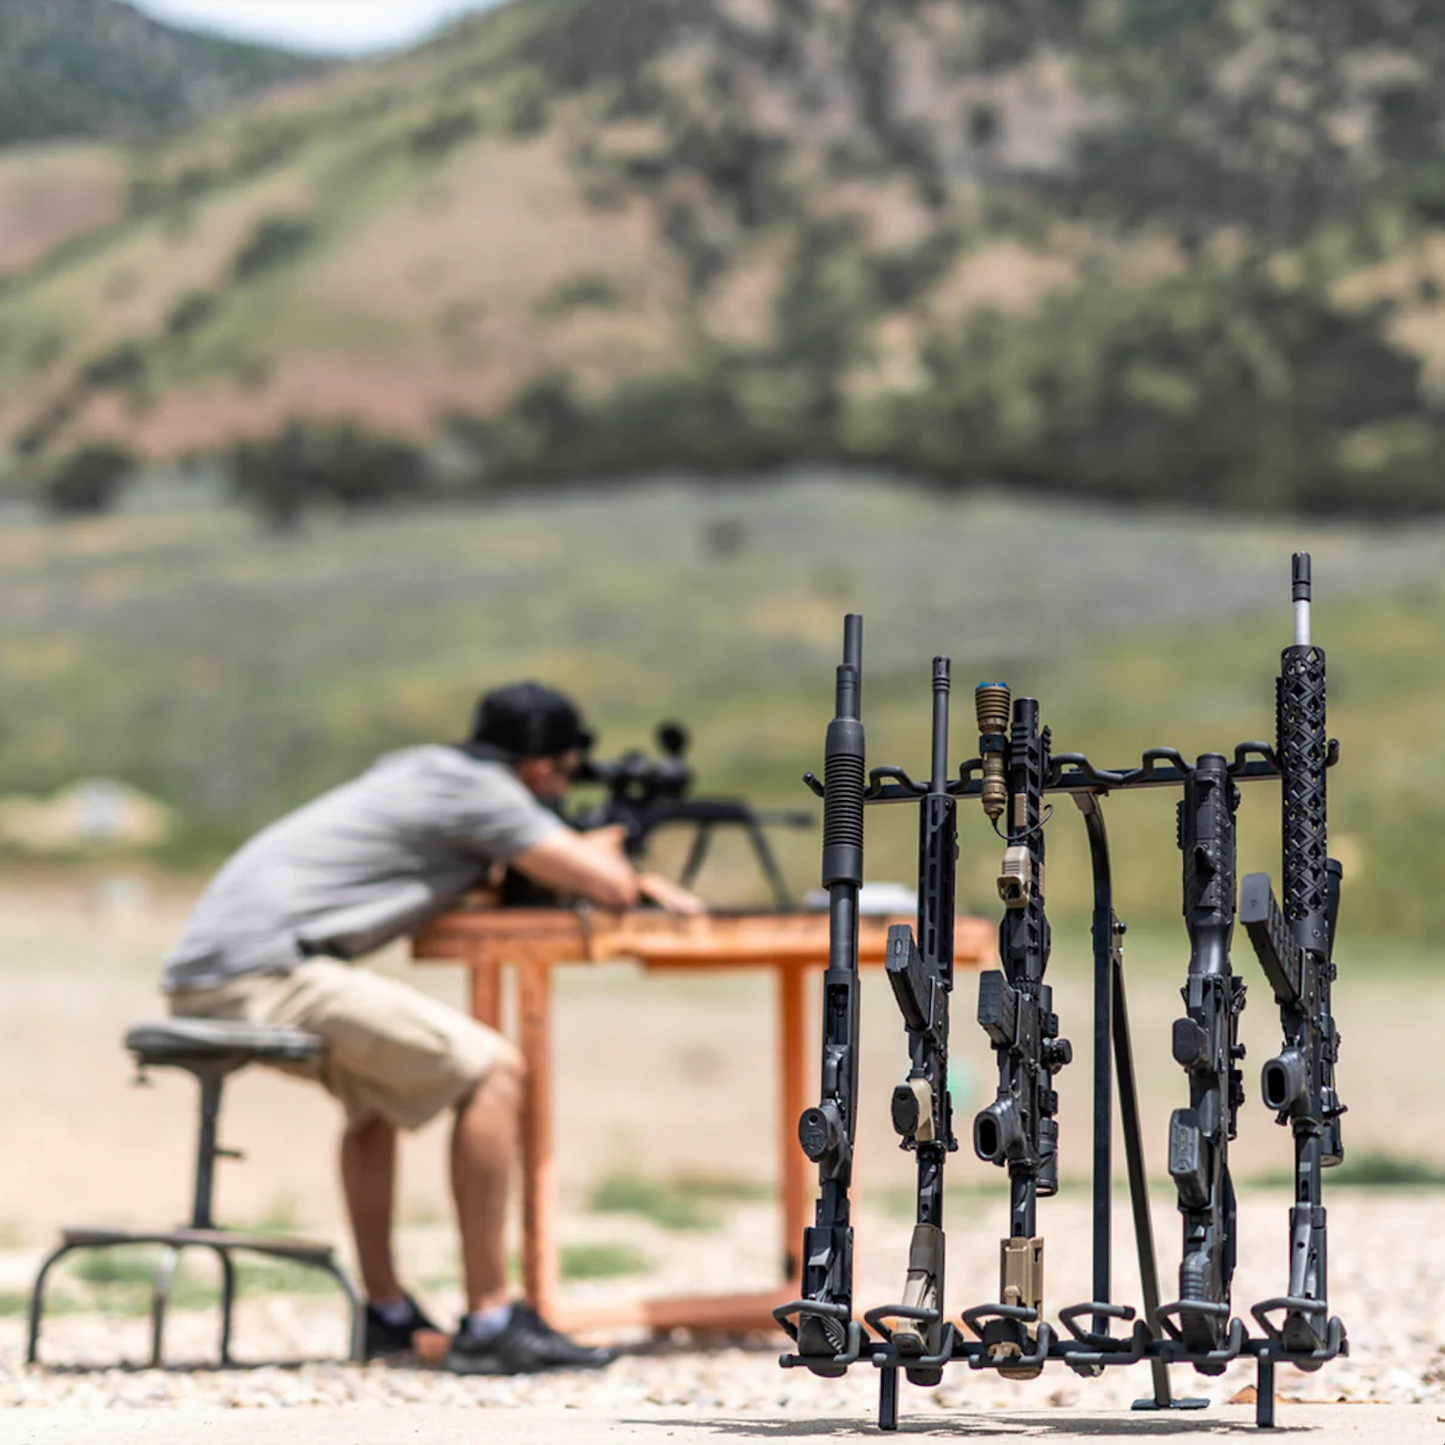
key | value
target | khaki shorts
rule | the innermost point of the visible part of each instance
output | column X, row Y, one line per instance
column 391, row 1050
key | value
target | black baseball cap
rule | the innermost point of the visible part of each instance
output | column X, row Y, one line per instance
column 528, row 720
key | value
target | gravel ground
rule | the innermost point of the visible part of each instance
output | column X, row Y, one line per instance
column 1388, row 1283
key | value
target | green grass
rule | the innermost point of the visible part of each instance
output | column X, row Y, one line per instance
column 117, row 1266
column 282, row 1216
column 1368, row 1169
column 235, row 677
column 15, row 1304
column 120, row 1281
column 281, row 1277
column 681, row 1202
column 603, row 1259
column 721, row 1189
column 658, row 1200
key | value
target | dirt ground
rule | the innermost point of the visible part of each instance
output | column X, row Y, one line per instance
column 80, row 959
column 656, row 1078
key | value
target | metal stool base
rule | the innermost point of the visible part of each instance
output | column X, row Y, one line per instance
column 220, row 1242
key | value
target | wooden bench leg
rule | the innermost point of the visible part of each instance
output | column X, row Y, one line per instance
column 792, row 1100
column 539, row 1235
column 487, row 992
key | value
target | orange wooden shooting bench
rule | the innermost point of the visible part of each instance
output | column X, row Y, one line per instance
column 535, row 940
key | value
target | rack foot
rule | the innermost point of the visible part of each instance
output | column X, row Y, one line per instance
column 1181, row 1402
column 1264, row 1392
column 888, row 1399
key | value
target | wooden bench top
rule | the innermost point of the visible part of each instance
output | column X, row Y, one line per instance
column 661, row 940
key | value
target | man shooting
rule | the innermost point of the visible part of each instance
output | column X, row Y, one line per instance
column 274, row 940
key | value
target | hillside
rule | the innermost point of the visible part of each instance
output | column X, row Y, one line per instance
column 51, row 193
column 101, row 68
column 1138, row 249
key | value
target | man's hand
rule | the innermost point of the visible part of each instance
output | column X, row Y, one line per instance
column 594, row 866
column 673, row 897
column 669, row 895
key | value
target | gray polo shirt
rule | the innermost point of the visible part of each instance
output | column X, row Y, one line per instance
column 362, row 865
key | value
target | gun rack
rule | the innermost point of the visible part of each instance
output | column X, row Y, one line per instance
column 1013, row 775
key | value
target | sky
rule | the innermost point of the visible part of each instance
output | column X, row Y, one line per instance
column 335, row 26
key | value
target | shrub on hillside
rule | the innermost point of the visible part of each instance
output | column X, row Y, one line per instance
column 273, row 241
column 87, row 481
column 267, row 146
column 316, row 462
column 190, row 313
column 123, row 365
column 694, row 422
column 1223, row 391
column 149, row 193
column 527, row 112
column 443, row 132
column 578, row 293
column 45, row 351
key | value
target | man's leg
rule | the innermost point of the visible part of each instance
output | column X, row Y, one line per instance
column 484, row 1150
column 368, row 1179
column 497, row 1337
column 393, row 1054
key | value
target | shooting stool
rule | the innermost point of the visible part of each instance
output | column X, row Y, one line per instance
column 211, row 1051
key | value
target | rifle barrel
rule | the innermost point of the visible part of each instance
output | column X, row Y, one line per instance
column 1301, row 590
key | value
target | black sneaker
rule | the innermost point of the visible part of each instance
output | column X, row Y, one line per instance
column 383, row 1339
column 525, row 1345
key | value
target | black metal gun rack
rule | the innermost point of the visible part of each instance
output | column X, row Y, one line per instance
column 821, row 1323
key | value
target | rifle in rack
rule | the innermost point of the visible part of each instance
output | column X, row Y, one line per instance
column 1295, row 945
column 1206, row 1046
column 821, row 1323
column 920, row 971
column 1015, row 1008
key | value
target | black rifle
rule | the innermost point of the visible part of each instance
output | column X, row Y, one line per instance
column 1015, row 1007
column 645, row 794
column 829, row 1339
column 1295, row 947
column 921, row 973
column 1206, row 1046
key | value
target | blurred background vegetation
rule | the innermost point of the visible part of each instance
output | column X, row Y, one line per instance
column 1132, row 249
column 232, row 677
column 1040, row 331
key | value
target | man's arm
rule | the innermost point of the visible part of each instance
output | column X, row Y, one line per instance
column 593, row 865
